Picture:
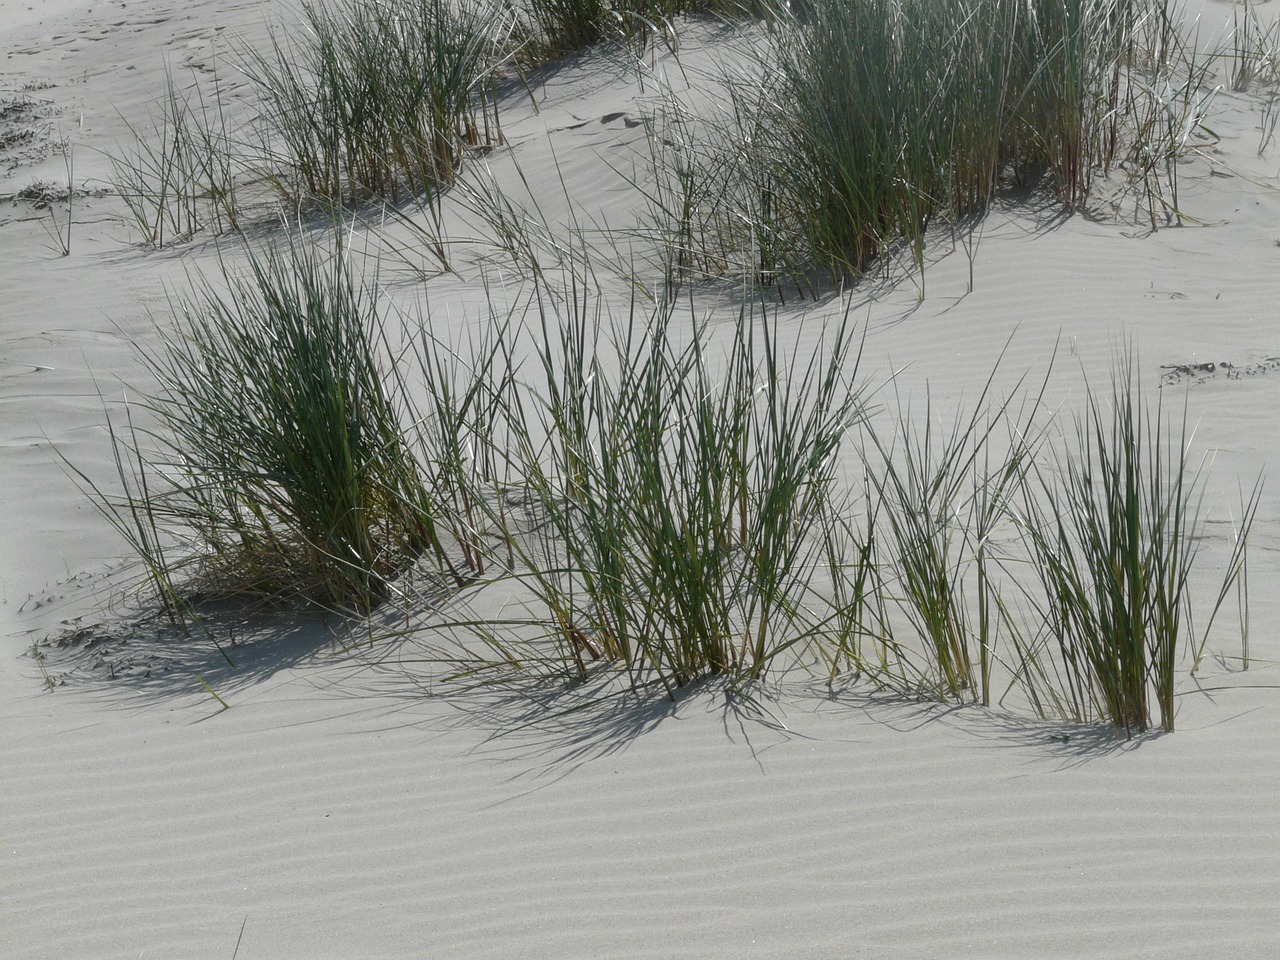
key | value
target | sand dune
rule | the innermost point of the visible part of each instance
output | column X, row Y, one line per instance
column 348, row 804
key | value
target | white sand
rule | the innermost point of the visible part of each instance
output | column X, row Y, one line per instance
column 50, row 15
column 336, row 810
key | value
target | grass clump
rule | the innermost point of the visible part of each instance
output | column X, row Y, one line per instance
column 1063, row 572
column 367, row 100
column 857, row 124
column 281, row 462
column 567, row 25
column 675, row 493
column 938, row 497
column 180, row 176
column 1252, row 51
column 1113, row 532
column 380, row 99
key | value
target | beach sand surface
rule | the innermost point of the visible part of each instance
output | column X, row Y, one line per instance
column 349, row 804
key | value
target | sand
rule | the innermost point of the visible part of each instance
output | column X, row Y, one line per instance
column 347, row 805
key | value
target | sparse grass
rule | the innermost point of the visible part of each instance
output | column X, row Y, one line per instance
column 46, row 197
column 1252, row 51
column 1078, row 559
column 1165, row 107
column 1235, row 578
column 371, row 100
column 60, row 234
column 461, row 439
column 937, row 500
column 180, row 176
column 1251, row 63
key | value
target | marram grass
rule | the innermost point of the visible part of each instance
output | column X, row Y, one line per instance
column 358, row 101
column 379, row 99
column 278, row 456
column 849, row 128
column 1113, row 526
column 672, row 502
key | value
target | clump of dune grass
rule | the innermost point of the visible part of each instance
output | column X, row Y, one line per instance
column 369, row 100
column 920, row 544
column 278, row 462
column 1251, row 62
column 379, row 99
column 1165, row 107
column 918, row 568
column 461, row 437
column 562, row 26
column 673, row 492
column 1252, row 50
column 986, row 560
column 1113, row 528
column 849, row 129
column 938, row 496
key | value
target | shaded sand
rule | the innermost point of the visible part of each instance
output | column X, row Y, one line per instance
column 348, row 805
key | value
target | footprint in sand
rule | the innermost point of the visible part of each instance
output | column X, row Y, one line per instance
column 612, row 121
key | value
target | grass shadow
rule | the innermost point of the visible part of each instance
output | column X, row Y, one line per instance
column 1044, row 740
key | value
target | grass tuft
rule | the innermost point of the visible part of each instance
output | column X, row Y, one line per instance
column 380, row 99
column 278, row 452
column 674, row 493
column 180, row 176
column 1112, row 528
column 850, row 128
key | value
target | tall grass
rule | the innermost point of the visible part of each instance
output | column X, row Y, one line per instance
column 680, row 515
column 367, row 100
column 1062, row 571
column 278, row 463
column 461, row 438
column 380, row 99
column 561, row 26
column 1166, row 106
column 180, row 175
column 674, row 491
column 1113, row 527
column 856, row 126
column 666, row 496
column 1252, row 52
column 939, row 496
